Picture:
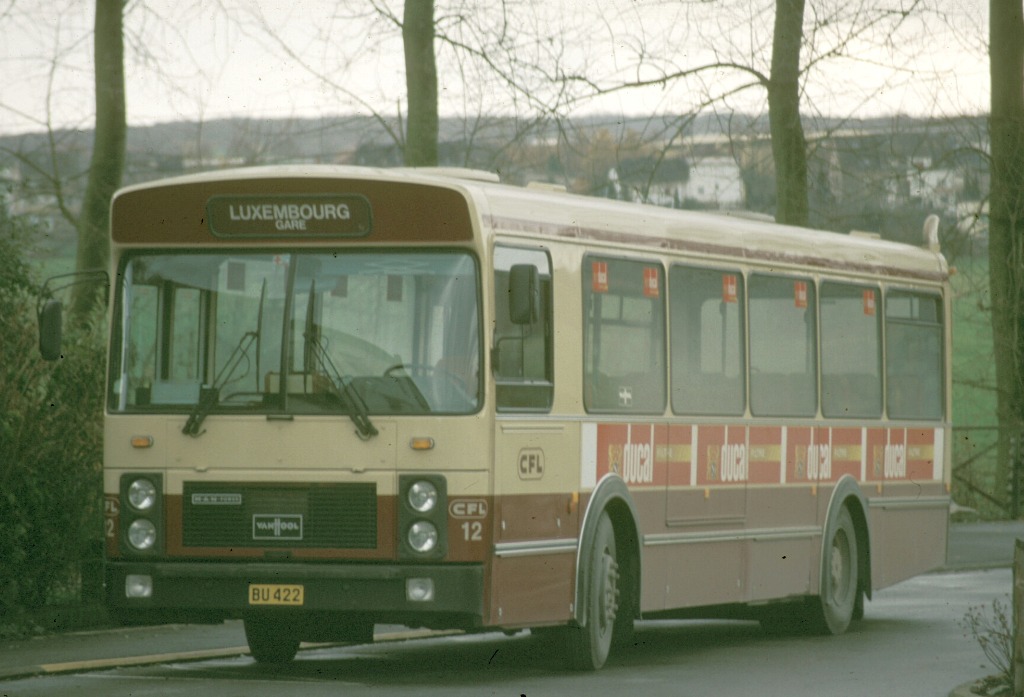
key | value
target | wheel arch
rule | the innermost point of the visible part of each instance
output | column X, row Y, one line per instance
column 848, row 494
column 611, row 494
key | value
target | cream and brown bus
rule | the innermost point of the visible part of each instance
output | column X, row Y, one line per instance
column 345, row 396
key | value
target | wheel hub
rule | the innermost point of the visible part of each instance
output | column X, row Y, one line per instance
column 839, row 567
column 608, row 591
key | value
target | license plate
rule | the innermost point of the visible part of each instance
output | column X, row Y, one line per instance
column 276, row 594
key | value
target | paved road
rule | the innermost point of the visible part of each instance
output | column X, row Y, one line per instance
column 983, row 545
column 910, row 644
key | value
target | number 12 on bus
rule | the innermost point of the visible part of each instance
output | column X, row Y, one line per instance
column 342, row 396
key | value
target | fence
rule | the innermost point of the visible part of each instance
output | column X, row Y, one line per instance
column 977, row 483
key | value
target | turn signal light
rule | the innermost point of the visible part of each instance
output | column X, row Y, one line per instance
column 424, row 443
column 142, row 441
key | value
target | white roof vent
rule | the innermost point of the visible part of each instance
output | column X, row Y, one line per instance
column 547, row 186
column 930, row 232
column 478, row 175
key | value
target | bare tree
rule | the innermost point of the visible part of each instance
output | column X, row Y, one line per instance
column 51, row 160
column 108, row 153
column 789, row 148
column 501, row 67
column 728, row 60
column 1006, row 227
column 421, row 83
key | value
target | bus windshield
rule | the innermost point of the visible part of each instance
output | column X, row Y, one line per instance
column 358, row 333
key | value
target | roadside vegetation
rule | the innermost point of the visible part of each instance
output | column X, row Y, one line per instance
column 50, row 455
column 992, row 628
column 977, row 489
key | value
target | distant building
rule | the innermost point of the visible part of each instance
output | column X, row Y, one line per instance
column 972, row 219
column 936, row 188
column 661, row 182
column 717, row 183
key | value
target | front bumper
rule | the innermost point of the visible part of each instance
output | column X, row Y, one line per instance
column 213, row 591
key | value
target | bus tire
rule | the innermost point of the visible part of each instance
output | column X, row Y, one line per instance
column 589, row 645
column 271, row 643
column 840, row 586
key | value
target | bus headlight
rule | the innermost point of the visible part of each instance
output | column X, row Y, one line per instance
column 422, row 496
column 141, row 521
column 142, row 534
column 141, row 494
column 422, row 531
column 422, row 536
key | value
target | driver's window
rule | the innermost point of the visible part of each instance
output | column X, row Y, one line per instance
column 522, row 351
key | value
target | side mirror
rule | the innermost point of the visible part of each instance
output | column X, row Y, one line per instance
column 51, row 329
column 523, row 294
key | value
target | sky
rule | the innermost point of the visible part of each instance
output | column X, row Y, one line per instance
column 201, row 60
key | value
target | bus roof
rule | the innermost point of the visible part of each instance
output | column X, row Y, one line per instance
column 547, row 211
column 708, row 234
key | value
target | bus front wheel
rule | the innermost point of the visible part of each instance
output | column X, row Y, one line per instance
column 272, row 643
column 589, row 645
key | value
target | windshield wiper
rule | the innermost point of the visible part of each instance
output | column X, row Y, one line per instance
column 342, row 387
column 209, row 396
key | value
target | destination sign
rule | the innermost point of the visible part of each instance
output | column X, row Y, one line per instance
column 313, row 215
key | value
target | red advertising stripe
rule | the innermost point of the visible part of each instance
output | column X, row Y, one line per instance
column 920, row 454
column 765, row 454
column 632, row 452
column 901, row 454
column 679, row 455
column 798, row 440
column 722, row 455
column 846, row 452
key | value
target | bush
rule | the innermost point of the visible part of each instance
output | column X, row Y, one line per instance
column 993, row 630
column 50, row 448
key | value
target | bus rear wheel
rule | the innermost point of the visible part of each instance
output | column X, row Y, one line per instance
column 840, row 599
column 589, row 645
column 840, row 587
column 272, row 643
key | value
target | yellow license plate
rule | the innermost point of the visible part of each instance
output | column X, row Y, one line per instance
column 276, row 594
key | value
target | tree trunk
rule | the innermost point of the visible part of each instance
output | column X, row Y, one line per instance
column 789, row 149
column 108, row 152
column 1017, row 629
column 1006, row 226
column 421, row 83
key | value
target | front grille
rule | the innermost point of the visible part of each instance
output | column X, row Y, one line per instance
column 325, row 516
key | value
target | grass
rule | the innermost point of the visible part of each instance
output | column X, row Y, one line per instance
column 974, row 397
column 974, row 402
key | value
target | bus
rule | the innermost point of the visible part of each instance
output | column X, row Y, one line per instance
column 342, row 396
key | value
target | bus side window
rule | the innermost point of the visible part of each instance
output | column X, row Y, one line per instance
column 708, row 371
column 851, row 351
column 913, row 355
column 522, row 354
column 783, row 346
column 623, row 335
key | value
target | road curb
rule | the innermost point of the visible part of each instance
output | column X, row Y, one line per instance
column 91, row 665
column 965, row 690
